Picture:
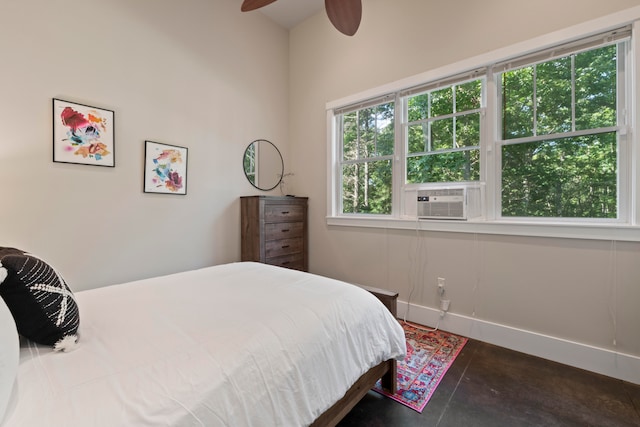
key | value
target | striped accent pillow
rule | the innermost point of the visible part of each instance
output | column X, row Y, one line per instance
column 42, row 305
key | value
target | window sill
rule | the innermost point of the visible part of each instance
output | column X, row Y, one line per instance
column 618, row 232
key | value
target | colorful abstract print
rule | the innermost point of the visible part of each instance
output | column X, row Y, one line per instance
column 84, row 132
column 165, row 174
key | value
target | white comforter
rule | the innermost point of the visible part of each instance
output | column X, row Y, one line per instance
column 241, row 344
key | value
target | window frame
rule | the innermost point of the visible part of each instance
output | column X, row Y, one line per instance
column 623, row 92
column 342, row 162
column 625, row 227
column 479, row 75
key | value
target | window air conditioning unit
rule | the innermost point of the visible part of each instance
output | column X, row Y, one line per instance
column 446, row 203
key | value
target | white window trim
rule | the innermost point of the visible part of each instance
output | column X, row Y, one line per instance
column 630, row 231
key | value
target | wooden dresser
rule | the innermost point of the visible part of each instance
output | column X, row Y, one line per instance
column 274, row 231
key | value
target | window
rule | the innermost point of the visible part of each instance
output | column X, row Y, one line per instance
column 560, row 136
column 544, row 135
column 443, row 134
column 367, row 154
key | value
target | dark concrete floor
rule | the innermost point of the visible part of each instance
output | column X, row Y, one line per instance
column 492, row 386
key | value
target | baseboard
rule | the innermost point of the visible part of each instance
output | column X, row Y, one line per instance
column 602, row 361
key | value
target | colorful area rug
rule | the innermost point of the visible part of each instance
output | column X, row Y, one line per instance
column 429, row 356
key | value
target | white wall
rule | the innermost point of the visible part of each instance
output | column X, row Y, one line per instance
column 568, row 296
column 194, row 73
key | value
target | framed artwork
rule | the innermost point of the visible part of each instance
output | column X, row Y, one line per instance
column 165, row 168
column 83, row 134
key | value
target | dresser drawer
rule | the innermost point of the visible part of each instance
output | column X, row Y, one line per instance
column 274, row 248
column 282, row 213
column 283, row 230
column 294, row 261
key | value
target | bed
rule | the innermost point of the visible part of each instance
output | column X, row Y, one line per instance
column 240, row 344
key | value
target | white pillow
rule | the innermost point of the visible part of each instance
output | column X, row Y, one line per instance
column 9, row 355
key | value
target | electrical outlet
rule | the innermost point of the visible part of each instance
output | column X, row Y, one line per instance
column 441, row 285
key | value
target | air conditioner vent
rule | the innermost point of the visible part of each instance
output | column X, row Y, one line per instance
column 449, row 203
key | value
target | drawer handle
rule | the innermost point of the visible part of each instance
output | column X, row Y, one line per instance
column 285, row 213
column 285, row 263
column 285, row 246
column 286, row 230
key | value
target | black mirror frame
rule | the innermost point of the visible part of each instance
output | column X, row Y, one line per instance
column 246, row 153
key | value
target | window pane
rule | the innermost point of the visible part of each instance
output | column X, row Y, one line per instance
column 441, row 102
column 553, row 93
column 442, row 134
column 385, row 130
column 469, row 96
column 366, row 187
column 568, row 177
column 446, row 167
column 418, row 107
column 468, row 130
column 596, row 88
column 517, row 108
column 417, row 135
column 375, row 131
column 367, row 138
column 368, row 132
column 349, row 136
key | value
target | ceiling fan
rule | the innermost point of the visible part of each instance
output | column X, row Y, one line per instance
column 345, row 15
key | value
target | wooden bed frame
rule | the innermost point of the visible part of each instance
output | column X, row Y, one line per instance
column 386, row 371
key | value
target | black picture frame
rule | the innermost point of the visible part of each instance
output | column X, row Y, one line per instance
column 83, row 134
column 165, row 168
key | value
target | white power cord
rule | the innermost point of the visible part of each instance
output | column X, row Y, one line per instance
column 414, row 258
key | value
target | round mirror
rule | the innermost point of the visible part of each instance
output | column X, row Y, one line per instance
column 263, row 165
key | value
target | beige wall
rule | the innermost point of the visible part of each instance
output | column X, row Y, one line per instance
column 194, row 73
column 200, row 74
column 576, row 290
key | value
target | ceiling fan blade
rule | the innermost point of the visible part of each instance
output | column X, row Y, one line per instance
column 249, row 5
column 345, row 15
